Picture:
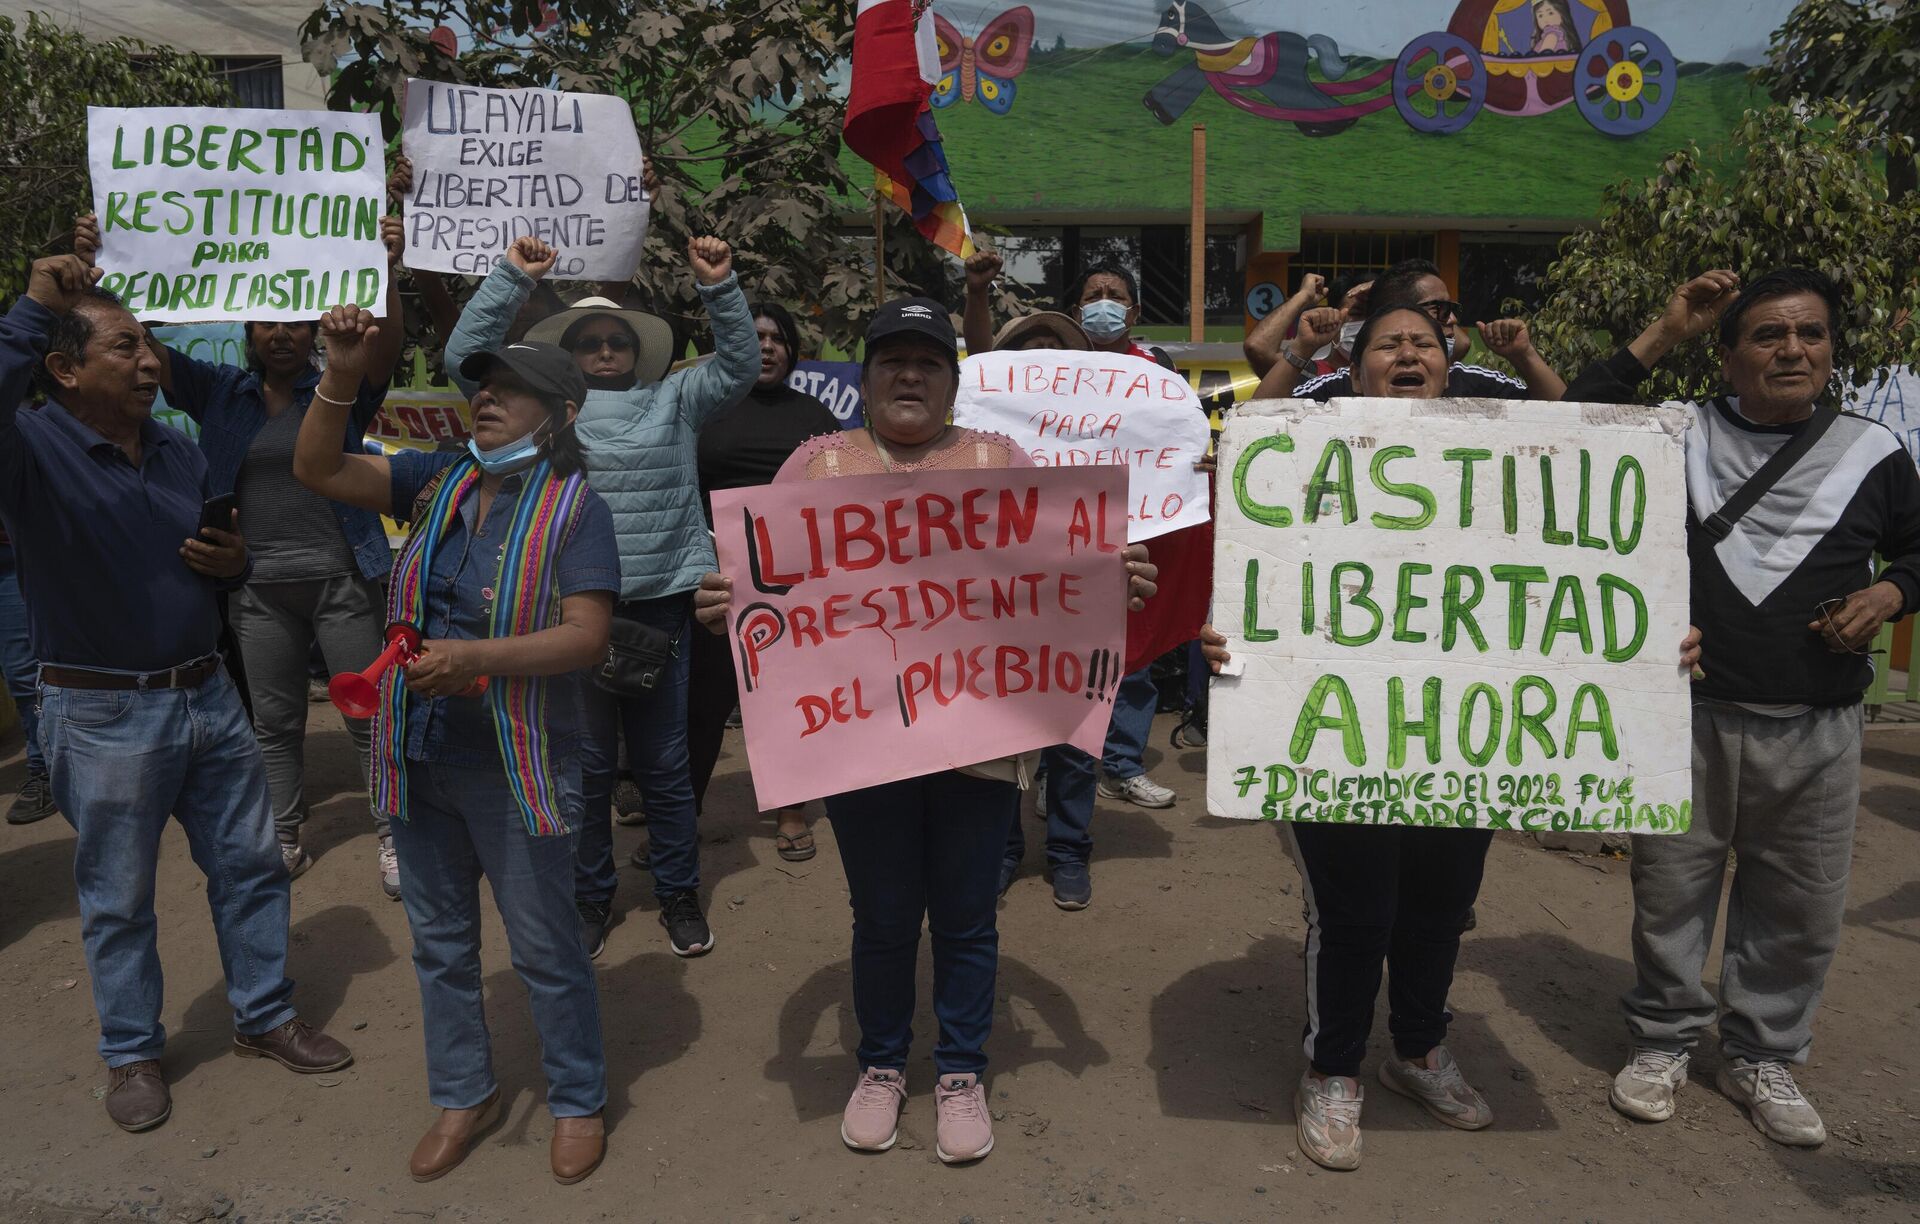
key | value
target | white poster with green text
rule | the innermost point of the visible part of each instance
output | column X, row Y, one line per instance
column 217, row 213
column 1458, row 613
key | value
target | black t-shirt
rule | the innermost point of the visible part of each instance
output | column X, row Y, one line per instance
column 744, row 445
column 1463, row 382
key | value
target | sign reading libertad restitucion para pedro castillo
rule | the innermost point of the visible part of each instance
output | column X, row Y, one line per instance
column 212, row 213
column 1452, row 613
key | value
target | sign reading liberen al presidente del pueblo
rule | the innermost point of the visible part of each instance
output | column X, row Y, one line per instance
column 493, row 165
column 885, row 627
column 1452, row 613
column 213, row 213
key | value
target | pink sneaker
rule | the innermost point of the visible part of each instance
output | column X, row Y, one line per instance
column 964, row 1131
column 871, row 1122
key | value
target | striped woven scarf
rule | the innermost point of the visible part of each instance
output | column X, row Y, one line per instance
column 543, row 519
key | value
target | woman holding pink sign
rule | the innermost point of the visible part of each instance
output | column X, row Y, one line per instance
column 925, row 848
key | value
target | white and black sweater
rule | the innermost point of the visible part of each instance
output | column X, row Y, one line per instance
column 1812, row 538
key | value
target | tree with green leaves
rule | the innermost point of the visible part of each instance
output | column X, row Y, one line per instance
column 736, row 105
column 1864, row 51
column 1793, row 185
column 48, row 78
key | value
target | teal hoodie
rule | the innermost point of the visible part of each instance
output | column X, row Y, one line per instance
column 639, row 442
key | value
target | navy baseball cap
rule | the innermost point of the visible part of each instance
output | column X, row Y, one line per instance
column 547, row 368
column 913, row 316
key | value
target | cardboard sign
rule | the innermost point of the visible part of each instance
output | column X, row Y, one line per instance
column 885, row 627
column 1073, row 409
column 493, row 165
column 213, row 213
column 1456, row 613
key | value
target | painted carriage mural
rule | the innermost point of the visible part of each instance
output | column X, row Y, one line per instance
column 1512, row 57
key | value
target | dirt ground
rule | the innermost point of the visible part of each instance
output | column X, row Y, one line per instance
column 1144, row 1051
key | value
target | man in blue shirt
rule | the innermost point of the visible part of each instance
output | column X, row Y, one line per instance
column 138, row 718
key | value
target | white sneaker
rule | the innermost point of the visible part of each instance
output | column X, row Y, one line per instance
column 1139, row 790
column 1326, row 1114
column 389, row 869
column 1439, row 1087
column 1645, row 1086
column 1773, row 1101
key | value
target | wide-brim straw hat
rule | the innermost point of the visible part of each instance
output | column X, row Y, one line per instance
column 1071, row 335
column 653, row 333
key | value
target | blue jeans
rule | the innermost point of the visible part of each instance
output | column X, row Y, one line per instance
column 926, row 848
column 1134, row 704
column 121, row 762
column 1070, row 793
column 656, row 731
column 17, row 662
column 463, row 824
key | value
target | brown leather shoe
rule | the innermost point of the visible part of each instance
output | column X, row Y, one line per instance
column 296, row 1046
column 578, row 1146
column 451, row 1137
column 137, row 1096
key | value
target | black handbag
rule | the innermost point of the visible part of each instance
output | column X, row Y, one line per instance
column 636, row 655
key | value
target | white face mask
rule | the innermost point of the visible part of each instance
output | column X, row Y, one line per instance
column 1349, row 332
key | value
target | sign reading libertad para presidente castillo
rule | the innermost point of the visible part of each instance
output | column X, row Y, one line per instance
column 1452, row 613
column 210, row 213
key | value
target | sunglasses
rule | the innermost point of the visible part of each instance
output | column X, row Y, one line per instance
column 619, row 342
column 1826, row 608
column 1441, row 309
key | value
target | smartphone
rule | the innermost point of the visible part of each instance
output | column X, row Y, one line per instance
column 217, row 512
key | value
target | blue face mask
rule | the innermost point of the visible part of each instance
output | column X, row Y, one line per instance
column 508, row 459
column 1105, row 319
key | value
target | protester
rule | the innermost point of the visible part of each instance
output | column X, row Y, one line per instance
column 1045, row 329
column 1266, row 344
column 139, row 721
column 1418, row 281
column 34, row 800
column 1788, row 604
column 318, row 566
column 740, row 447
column 1398, row 895
column 508, row 573
column 924, row 848
column 639, row 426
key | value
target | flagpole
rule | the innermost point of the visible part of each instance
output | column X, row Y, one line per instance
column 1197, row 241
column 879, row 250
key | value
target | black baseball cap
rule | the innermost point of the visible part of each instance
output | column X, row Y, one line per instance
column 547, row 368
column 912, row 316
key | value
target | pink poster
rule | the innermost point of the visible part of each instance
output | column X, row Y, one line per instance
column 885, row 627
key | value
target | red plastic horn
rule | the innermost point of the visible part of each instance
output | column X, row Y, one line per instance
column 357, row 694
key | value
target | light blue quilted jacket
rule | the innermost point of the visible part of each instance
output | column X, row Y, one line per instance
column 639, row 443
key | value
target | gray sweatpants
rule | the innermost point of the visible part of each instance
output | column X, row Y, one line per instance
column 277, row 624
column 1781, row 792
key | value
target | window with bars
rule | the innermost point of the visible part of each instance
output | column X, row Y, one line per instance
column 1337, row 253
column 1052, row 258
column 257, row 80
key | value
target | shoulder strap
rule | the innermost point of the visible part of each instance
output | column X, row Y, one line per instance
column 1721, row 522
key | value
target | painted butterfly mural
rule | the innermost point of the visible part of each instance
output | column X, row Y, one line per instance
column 983, row 67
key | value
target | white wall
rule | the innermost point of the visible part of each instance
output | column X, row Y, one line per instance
column 207, row 27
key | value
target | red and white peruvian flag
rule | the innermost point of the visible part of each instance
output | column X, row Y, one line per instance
column 895, row 63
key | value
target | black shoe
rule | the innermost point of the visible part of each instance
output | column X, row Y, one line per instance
column 34, row 802
column 1072, row 886
column 596, row 919
column 1009, row 868
column 687, row 930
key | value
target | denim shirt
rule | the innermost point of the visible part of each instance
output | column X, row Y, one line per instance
column 229, row 406
column 459, row 600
